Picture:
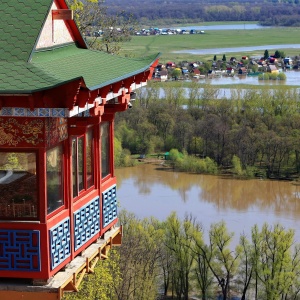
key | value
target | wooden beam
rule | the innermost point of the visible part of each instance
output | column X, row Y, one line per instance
column 34, row 295
column 62, row 14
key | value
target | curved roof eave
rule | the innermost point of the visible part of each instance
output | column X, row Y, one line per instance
column 117, row 79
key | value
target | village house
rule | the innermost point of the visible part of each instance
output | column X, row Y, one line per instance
column 164, row 75
column 242, row 71
column 196, row 73
column 272, row 69
column 229, row 71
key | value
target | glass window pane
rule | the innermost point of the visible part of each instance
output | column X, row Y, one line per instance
column 74, row 168
column 54, row 179
column 89, row 158
column 81, row 163
column 18, row 185
column 105, row 149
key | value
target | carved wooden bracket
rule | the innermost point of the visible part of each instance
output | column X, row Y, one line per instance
column 97, row 110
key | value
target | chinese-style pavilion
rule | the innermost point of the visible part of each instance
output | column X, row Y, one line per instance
column 58, row 193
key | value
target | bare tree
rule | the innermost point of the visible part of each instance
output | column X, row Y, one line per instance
column 103, row 32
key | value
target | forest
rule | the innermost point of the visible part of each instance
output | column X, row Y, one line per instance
column 257, row 129
column 269, row 12
column 182, row 258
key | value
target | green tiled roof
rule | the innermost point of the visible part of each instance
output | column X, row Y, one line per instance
column 51, row 68
column 96, row 68
column 23, row 70
column 22, row 77
column 20, row 25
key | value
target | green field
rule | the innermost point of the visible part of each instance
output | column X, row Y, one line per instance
column 167, row 44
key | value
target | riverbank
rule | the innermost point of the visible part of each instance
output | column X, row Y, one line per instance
column 228, row 172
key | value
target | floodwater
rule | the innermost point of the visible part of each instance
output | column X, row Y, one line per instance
column 244, row 26
column 150, row 190
column 292, row 78
column 238, row 49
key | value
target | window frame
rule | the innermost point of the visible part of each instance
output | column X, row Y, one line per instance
column 109, row 173
column 38, row 171
column 63, row 180
column 75, row 164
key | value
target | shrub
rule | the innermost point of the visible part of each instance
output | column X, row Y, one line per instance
column 237, row 167
column 187, row 163
column 212, row 167
column 273, row 76
column 281, row 76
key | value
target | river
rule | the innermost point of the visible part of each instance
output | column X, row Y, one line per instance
column 151, row 190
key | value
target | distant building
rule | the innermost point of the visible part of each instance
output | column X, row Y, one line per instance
column 272, row 69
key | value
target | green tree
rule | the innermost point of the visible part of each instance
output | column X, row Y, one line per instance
column 215, row 57
column 122, row 157
column 149, row 95
column 224, row 58
column 179, row 241
column 225, row 260
column 145, row 131
column 194, row 94
column 266, row 54
column 202, row 269
column 139, row 258
column 176, row 73
column 165, row 124
column 127, row 136
column 246, row 266
column 100, row 284
column 275, row 260
column 237, row 167
column 183, row 129
column 92, row 16
column 277, row 54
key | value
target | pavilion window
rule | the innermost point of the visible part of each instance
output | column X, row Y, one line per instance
column 82, row 162
column 105, row 149
column 18, row 185
column 89, row 158
column 54, row 171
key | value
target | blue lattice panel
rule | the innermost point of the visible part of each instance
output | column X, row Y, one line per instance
column 20, row 250
column 86, row 222
column 60, row 243
column 109, row 204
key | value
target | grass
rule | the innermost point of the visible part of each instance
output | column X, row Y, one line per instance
column 167, row 44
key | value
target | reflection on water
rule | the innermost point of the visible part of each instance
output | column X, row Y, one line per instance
column 150, row 190
column 292, row 78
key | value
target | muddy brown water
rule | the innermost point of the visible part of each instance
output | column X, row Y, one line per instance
column 151, row 190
